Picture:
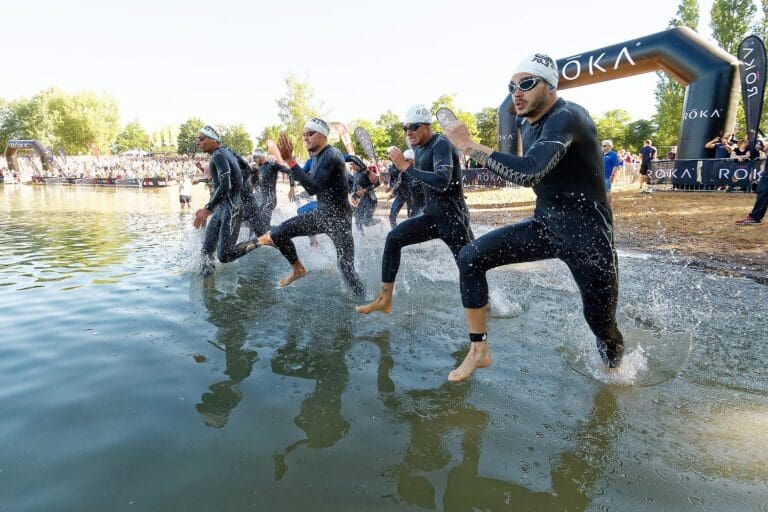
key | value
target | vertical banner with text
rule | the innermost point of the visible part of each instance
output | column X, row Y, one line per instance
column 752, row 69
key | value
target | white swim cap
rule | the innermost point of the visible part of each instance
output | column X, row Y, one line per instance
column 418, row 113
column 317, row 125
column 541, row 65
column 210, row 132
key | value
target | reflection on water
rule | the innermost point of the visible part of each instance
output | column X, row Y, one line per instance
column 434, row 416
column 148, row 387
column 228, row 313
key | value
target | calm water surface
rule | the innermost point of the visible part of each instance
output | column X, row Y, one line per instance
column 129, row 382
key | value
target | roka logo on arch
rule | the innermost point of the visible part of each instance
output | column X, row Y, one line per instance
column 702, row 113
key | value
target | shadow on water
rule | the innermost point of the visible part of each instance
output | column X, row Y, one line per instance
column 436, row 415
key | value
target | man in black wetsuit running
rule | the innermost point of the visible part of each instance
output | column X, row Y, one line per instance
column 333, row 216
column 267, row 190
column 572, row 220
column 445, row 214
column 225, row 204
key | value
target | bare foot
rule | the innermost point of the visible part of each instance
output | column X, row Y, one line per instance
column 382, row 303
column 479, row 356
column 296, row 273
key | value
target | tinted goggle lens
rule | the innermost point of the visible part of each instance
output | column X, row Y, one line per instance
column 526, row 84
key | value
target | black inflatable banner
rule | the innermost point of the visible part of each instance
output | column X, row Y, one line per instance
column 710, row 74
column 14, row 146
column 752, row 68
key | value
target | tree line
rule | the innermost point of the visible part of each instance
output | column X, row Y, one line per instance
column 85, row 121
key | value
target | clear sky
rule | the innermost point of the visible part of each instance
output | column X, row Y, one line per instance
column 225, row 61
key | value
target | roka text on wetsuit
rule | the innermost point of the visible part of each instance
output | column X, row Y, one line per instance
column 572, row 220
column 445, row 213
column 328, row 181
column 227, row 206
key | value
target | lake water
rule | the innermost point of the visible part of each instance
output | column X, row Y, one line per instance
column 130, row 382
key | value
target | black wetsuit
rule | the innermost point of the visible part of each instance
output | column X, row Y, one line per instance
column 268, row 173
column 398, row 184
column 227, row 206
column 572, row 220
column 250, row 204
column 333, row 216
column 445, row 214
column 416, row 189
column 366, row 204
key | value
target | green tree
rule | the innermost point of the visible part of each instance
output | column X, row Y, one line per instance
column 393, row 135
column 296, row 108
column 730, row 24
column 83, row 119
column 488, row 126
column 613, row 126
column 731, row 21
column 763, row 32
column 638, row 131
column 30, row 118
column 187, row 139
column 237, row 139
column 670, row 94
column 133, row 136
column 271, row 132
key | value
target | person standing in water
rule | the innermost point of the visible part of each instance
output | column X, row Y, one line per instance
column 572, row 220
column 225, row 206
column 445, row 213
column 185, row 191
column 267, row 189
column 333, row 215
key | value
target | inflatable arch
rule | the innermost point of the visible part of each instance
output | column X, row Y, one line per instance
column 15, row 145
column 710, row 74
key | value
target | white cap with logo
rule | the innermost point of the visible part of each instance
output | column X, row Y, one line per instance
column 418, row 113
column 541, row 65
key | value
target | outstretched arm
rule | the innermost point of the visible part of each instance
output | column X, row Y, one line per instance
column 526, row 170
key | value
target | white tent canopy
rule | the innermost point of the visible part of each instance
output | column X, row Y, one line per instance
column 134, row 152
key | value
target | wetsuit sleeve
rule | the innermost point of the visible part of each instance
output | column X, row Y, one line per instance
column 540, row 158
column 442, row 163
column 282, row 168
column 220, row 166
column 322, row 173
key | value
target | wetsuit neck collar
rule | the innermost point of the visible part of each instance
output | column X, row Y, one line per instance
column 555, row 106
column 429, row 140
column 317, row 155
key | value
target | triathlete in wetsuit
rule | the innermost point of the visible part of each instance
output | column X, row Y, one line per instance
column 572, row 220
column 250, row 203
column 267, row 193
column 404, row 192
column 225, row 204
column 333, row 216
column 445, row 215
column 363, row 193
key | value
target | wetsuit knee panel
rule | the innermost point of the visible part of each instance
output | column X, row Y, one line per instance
column 469, row 255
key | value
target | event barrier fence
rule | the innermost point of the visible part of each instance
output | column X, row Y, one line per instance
column 702, row 174
column 707, row 174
